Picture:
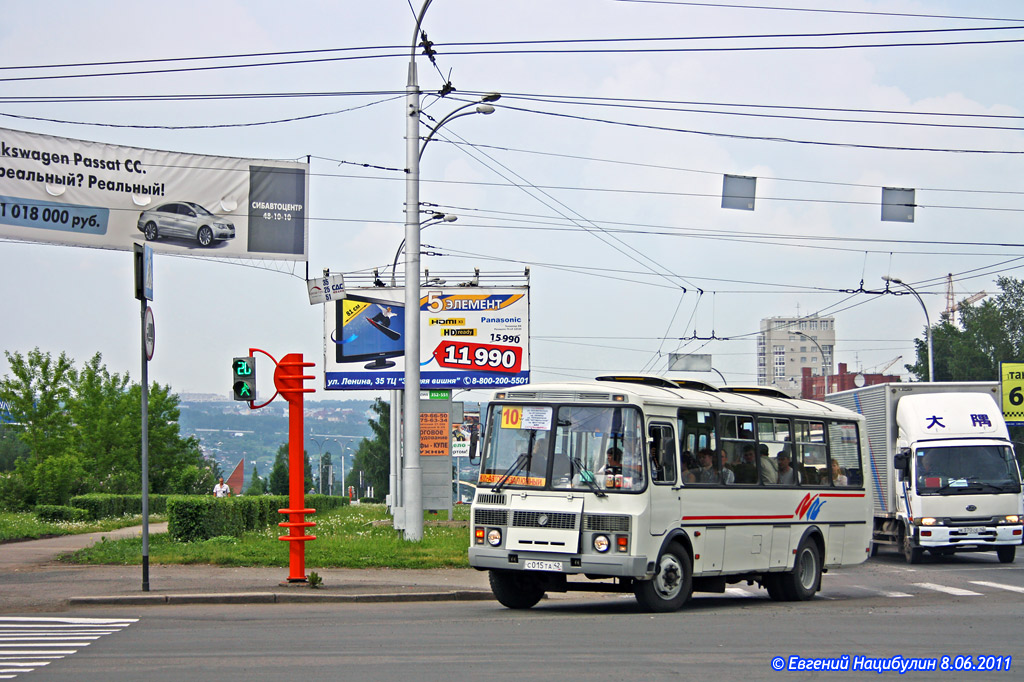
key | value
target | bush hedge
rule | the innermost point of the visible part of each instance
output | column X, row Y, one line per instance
column 103, row 506
column 58, row 512
column 194, row 518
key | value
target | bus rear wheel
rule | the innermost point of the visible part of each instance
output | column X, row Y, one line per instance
column 671, row 587
column 804, row 581
column 516, row 589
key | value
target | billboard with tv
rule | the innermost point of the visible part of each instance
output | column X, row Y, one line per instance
column 472, row 337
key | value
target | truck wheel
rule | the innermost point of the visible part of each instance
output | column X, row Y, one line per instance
column 1006, row 553
column 804, row 581
column 516, row 589
column 911, row 553
column 671, row 587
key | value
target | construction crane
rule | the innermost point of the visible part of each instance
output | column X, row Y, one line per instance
column 890, row 364
column 951, row 305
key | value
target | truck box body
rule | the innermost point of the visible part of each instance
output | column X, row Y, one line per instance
column 975, row 504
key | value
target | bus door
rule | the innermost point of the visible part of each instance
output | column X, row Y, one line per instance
column 665, row 498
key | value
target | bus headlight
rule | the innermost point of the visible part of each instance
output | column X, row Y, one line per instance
column 602, row 543
column 494, row 537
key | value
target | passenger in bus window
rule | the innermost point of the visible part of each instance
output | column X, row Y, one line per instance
column 787, row 474
column 689, row 467
column 746, row 469
column 725, row 469
column 769, row 472
column 838, row 478
column 707, row 473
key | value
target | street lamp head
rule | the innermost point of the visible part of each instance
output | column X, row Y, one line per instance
column 491, row 97
column 894, row 280
column 484, row 109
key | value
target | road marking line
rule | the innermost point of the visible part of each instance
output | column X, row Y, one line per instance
column 955, row 591
column 896, row 595
column 1011, row 588
column 739, row 592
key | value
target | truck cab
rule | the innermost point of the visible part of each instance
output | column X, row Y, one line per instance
column 958, row 486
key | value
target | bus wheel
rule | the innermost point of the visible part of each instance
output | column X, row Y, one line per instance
column 912, row 554
column 671, row 587
column 516, row 589
column 804, row 581
column 1006, row 553
column 772, row 583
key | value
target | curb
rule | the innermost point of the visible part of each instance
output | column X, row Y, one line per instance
column 277, row 598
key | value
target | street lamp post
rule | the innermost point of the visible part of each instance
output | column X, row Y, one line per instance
column 826, row 371
column 927, row 321
column 412, row 474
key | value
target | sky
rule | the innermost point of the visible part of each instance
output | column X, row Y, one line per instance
column 601, row 169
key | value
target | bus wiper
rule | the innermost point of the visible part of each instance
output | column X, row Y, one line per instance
column 511, row 471
column 587, row 477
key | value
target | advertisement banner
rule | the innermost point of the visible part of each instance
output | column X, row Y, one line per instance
column 79, row 193
column 474, row 337
column 1012, row 390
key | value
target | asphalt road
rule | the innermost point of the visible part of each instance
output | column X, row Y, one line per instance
column 968, row 605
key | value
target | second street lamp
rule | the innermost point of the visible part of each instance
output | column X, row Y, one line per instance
column 927, row 321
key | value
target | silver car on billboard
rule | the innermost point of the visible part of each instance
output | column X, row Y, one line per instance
column 185, row 219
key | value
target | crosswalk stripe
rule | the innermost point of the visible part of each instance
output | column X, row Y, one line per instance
column 1009, row 588
column 28, row 642
column 955, row 591
column 896, row 595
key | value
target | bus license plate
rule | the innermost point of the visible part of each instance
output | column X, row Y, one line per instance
column 534, row 565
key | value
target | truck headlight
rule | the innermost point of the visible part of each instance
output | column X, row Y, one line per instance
column 1011, row 519
column 927, row 521
column 602, row 543
column 494, row 537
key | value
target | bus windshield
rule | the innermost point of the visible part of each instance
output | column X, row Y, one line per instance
column 572, row 447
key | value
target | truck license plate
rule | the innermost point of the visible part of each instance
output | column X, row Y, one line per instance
column 972, row 531
column 534, row 565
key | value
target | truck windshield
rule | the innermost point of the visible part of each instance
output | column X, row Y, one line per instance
column 593, row 449
column 967, row 469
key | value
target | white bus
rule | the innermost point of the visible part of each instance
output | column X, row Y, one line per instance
column 662, row 487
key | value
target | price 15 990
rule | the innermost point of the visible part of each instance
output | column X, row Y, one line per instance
column 479, row 356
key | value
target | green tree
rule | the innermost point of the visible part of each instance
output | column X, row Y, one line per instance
column 36, row 392
column 373, row 456
column 279, row 473
column 12, row 448
column 987, row 334
column 257, row 486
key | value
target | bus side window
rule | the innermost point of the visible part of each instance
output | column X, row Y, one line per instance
column 663, row 453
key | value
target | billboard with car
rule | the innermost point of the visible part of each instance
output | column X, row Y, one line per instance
column 80, row 193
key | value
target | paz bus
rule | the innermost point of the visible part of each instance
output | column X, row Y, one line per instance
column 661, row 487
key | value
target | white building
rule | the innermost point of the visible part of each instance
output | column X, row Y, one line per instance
column 786, row 345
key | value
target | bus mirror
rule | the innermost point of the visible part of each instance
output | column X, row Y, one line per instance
column 474, row 441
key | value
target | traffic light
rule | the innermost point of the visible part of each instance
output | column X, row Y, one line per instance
column 243, row 383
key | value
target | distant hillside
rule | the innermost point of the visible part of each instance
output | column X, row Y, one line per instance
column 228, row 430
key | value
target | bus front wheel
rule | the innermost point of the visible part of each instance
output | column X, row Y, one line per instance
column 516, row 589
column 671, row 587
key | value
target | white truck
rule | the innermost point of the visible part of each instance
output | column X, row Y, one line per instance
column 945, row 475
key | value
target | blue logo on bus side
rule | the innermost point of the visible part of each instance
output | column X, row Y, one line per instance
column 810, row 506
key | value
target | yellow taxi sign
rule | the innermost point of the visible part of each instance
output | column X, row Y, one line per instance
column 1011, row 376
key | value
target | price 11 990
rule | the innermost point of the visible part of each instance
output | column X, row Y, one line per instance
column 478, row 356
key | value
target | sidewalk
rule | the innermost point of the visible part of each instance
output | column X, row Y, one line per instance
column 32, row 580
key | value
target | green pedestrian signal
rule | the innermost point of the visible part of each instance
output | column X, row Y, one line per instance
column 243, row 372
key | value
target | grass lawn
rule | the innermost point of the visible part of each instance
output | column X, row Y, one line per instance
column 25, row 525
column 357, row 536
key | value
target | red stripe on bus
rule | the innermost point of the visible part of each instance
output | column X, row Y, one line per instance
column 841, row 495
